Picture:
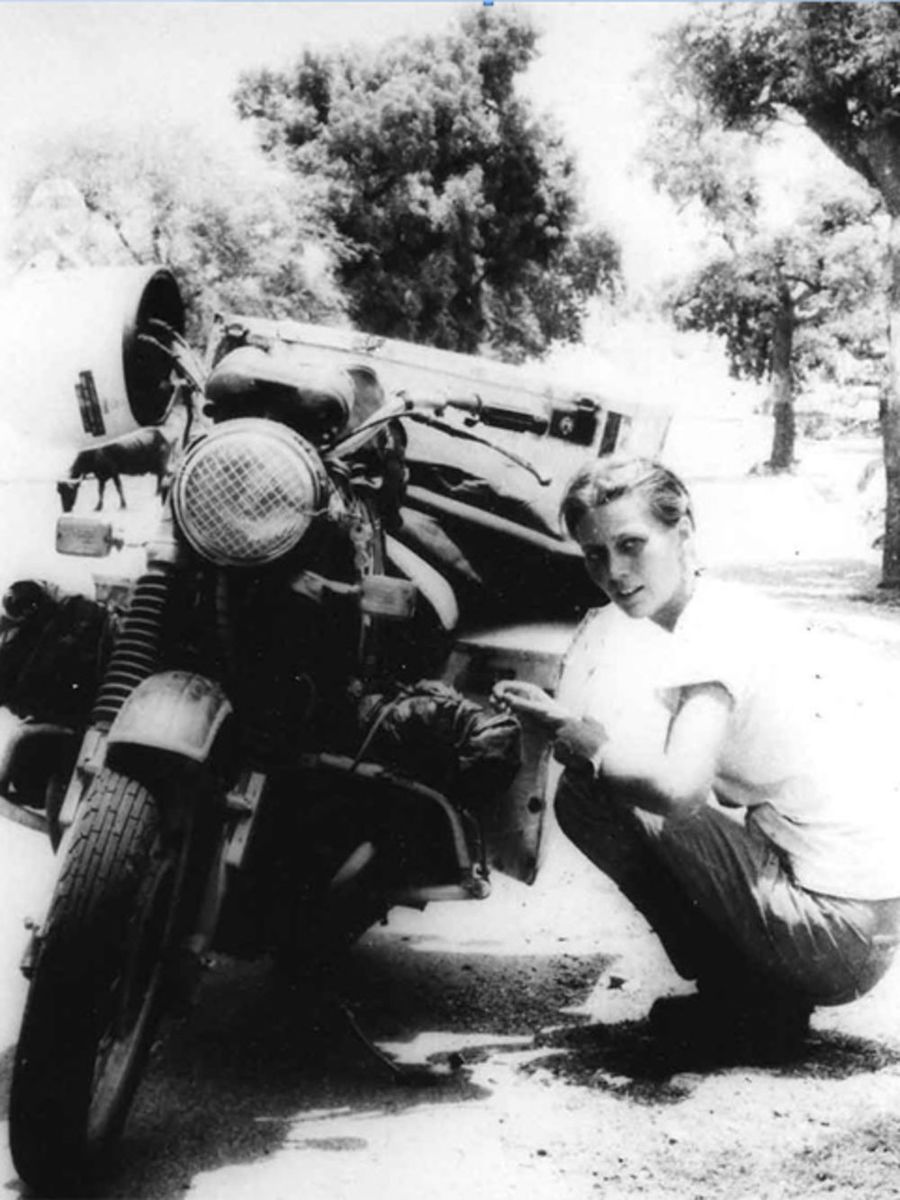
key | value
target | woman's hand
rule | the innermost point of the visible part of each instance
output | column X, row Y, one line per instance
column 575, row 741
column 529, row 702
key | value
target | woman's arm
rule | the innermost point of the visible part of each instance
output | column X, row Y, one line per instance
column 674, row 781
column 576, row 742
column 677, row 780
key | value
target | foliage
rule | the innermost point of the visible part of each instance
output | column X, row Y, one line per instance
column 698, row 162
column 826, row 268
column 785, row 295
column 836, row 66
column 239, row 234
column 458, row 205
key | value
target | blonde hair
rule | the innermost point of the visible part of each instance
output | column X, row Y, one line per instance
column 612, row 476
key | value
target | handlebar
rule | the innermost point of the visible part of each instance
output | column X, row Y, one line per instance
column 517, row 419
column 406, row 406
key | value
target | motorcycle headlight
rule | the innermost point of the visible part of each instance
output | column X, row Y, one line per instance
column 247, row 492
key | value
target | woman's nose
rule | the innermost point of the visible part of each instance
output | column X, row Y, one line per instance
column 618, row 567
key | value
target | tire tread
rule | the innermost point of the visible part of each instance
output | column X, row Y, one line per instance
column 115, row 841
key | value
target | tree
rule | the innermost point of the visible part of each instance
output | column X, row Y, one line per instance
column 240, row 234
column 836, row 66
column 781, row 292
column 458, row 205
column 785, row 305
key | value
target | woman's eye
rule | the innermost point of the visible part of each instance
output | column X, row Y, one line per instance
column 631, row 546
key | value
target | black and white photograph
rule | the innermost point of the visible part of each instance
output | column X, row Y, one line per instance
column 449, row 599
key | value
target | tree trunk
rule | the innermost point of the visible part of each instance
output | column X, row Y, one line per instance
column 782, row 458
column 890, row 417
column 881, row 149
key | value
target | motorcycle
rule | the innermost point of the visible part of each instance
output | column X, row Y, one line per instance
column 273, row 758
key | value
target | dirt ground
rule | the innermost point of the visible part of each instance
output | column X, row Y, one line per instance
column 529, row 1009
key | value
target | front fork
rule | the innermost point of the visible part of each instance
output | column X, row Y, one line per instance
column 135, row 656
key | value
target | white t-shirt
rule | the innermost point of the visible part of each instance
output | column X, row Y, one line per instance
column 823, row 793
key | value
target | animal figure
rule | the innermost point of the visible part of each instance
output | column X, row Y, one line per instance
column 144, row 452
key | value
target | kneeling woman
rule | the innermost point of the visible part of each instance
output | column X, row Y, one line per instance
column 694, row 780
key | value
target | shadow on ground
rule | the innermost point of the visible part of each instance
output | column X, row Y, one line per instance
column 628, row 1060
column 846, row 582
column 833, row 595
column 227, row 1083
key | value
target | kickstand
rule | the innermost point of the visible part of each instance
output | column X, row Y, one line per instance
column 408, row 1074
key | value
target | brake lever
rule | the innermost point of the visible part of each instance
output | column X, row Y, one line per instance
column 403, row 407
column 452, row 431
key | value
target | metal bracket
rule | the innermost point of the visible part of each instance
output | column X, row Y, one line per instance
column 243, row 801
column 32, row 950
column 90, row 761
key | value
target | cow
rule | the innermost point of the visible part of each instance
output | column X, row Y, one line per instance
column 144, row 452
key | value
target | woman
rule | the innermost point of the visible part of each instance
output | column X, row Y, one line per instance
column 694, row 780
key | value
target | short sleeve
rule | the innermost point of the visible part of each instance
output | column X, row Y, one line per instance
column 715, row 642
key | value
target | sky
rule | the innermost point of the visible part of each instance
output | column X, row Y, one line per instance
column 69, row 63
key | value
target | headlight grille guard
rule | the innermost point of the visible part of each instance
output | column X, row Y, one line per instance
column 246, row 493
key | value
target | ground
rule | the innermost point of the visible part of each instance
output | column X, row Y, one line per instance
column 528, row 1009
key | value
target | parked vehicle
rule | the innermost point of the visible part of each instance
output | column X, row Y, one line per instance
column 287, row 737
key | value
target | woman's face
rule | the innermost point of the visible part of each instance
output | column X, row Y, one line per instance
column 643, row 566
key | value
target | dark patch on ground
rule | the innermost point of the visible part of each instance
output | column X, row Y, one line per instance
column 630, row 1060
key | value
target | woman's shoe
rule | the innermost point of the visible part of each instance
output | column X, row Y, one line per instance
column 762, row 1028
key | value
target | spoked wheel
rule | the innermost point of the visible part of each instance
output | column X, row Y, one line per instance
column 95, row 993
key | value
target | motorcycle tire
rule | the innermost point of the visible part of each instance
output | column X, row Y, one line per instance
column 94, row 998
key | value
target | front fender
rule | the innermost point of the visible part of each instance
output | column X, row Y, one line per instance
column 176, row 714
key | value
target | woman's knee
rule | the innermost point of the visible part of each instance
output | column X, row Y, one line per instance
column 578, row 810
column 566, row 808
column 603, row 831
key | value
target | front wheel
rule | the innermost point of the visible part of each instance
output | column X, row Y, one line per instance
column 94, row 997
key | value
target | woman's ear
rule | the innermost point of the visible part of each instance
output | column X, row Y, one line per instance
column 687, row 539
column 685, row 528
